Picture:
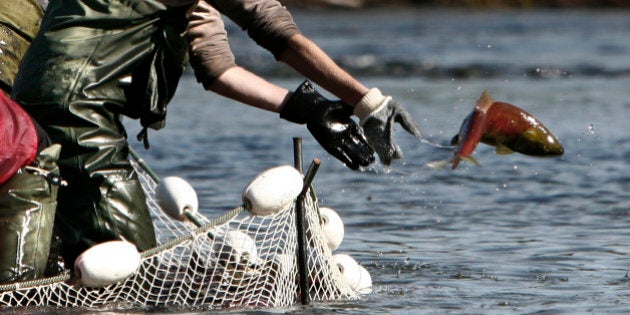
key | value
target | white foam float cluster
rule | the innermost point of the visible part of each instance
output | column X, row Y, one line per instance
column 110, row 262
column 268, row 193
column 275, row 190
column 353, row 274
column 178, row 200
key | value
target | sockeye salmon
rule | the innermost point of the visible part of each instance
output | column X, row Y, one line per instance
column 505, row 126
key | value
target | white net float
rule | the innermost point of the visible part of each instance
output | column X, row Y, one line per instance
column 176, row 197
column 273, row 190
column 237, row 248
column 353, row 274
column 332, row 226
column 106, row 263
column 365, row 282
column 349, row 269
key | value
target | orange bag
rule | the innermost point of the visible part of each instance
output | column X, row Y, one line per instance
column 18, row 138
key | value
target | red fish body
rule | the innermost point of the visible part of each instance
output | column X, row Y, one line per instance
column 471, row 132
column 505, row 126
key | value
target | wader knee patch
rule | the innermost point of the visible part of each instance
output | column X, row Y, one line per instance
column 127, row 208
column 27, row 212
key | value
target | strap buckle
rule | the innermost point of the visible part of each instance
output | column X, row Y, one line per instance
column 52, row 178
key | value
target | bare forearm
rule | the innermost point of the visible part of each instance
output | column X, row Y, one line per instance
column 312, row 62
column 246, row 87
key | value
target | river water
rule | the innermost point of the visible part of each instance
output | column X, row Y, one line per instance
column 518, row 235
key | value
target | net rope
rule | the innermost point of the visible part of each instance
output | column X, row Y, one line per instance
column 192, row 267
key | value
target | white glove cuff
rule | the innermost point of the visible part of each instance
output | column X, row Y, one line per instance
column 372, row 102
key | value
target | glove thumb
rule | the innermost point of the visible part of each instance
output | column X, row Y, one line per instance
column 404, row 119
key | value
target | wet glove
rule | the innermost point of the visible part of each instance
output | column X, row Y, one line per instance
column 330, row 124
column 377, row 115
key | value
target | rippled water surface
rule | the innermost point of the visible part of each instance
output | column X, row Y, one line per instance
column 517, row 235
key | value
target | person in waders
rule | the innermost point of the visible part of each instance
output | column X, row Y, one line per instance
column 29, row 176
column 94, row 61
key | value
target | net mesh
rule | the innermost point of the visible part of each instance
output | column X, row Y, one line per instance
column 193, row 267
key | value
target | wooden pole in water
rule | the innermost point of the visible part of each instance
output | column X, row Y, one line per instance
column 297, row 154
column 301, row 231
column 302, row 258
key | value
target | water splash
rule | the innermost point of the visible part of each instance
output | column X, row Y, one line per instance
column 433, row 144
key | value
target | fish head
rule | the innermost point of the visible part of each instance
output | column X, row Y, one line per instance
column 512, row 129
column 537, row 141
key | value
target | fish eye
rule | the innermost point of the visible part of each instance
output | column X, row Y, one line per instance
column 455, row 140
column 550, row 139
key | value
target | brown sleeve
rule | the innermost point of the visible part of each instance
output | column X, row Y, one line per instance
column 267, row 22
column 210, row 53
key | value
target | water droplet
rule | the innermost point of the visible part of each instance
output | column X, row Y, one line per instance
column 591, row 129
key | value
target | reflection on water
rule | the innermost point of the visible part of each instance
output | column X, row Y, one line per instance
column 516, row 235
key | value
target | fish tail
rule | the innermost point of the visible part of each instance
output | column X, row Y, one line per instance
column 455, row 161
column 459, row 158
column 470, row 159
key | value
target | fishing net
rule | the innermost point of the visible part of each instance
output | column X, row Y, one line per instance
column 193, row 268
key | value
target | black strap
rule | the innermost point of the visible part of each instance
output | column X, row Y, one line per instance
column 143, row 136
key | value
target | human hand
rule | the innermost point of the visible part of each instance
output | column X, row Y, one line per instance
column 330, row 124
column 377, row 114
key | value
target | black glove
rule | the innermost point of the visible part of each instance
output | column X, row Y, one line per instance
column 330, row 124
